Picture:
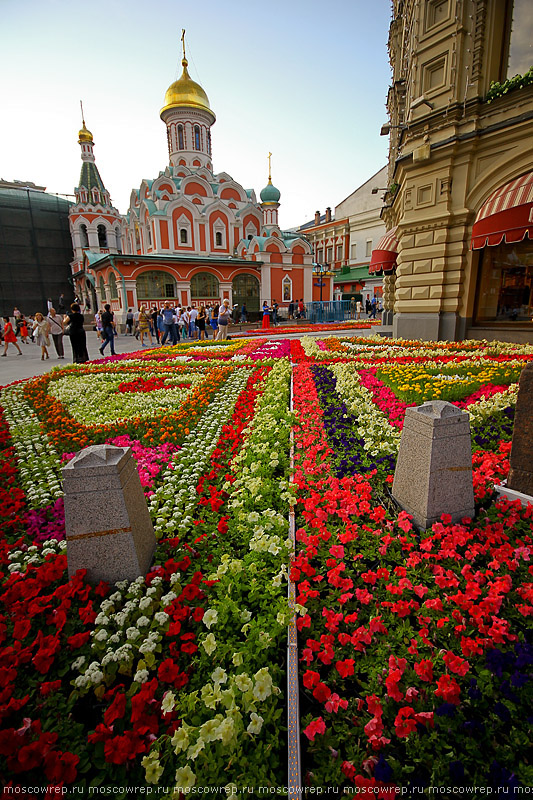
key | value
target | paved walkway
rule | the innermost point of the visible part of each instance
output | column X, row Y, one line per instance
column 16, row 368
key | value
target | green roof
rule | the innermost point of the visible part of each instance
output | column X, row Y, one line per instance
column 90, row 177
column 352, row 274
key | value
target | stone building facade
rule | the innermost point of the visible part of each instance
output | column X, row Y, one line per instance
column 460, row 181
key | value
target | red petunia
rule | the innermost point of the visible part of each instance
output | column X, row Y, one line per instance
column 448, row 689
column 314, row 727
column 49, row 687
column 78, row 640
column 116, row 710
column 456, row 663
column 424, row 670
column 345, row 668
column 405, row 722
column 321, row 692
column 60, row 767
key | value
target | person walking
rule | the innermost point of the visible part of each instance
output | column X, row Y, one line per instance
column 193, row 316
column 61, row 307
column 301, row 309
column 98, row 324
column 108, row 324
column 290, row 310
column 353, row 306
column 359, row 307
column 155, row 326
column 244, row 313
column 224, row 316
column 56, row 329
column 73, row 328
column 214, row 320
column 41, row 331
column 9, row 337
column 200, row 322
column 183, row 323
column 23, row 330
column 129, row 322
column 266, row 316
column 168, row 323
column 275, row 308
column 144, row 325
column 373, row 308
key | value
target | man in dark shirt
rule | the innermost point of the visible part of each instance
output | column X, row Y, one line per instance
column 153, row 317
column 108, row 329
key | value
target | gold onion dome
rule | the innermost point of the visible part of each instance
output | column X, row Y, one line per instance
column 85, row 136
column 186, row 93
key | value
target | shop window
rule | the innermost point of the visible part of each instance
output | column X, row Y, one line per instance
column 520, row 49
column 505, row 284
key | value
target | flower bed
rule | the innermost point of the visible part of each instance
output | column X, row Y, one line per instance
column 415, row 650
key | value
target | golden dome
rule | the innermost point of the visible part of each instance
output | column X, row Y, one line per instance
column 186, row 93
column 84, row 135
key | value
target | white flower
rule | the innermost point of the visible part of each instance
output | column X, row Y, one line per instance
column 169, row 702
column 144, row 603
column 263, row 684
column 185, row 778
column 246, row 616
column 237, row 659
column 78, row 664
column 226, row 731
column 180, row 740
column 141, row 676
column 195, row 749
column 219, row 676
column 243, row 682
column 161, row 617
column 210, row 617
column 132, row 634
column 209, row 644
column 143, row 621
column 256, row 723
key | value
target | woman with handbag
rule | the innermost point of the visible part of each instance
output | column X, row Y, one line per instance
column 73, row 322
column 41, row 331
column 56, row 329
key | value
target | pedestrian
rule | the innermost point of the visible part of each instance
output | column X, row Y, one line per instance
column 244, row 313
column 224, row 316
column 274, row 313
column 359, row 307
column 9, row 337
column 61, row 307
column 193, row 316
column 266, row 316
column 368, row 305
column 200, row 322
column 353, row 306
column 144, row 325
column 155, row 327
column 23, row 329
column 290, row 310
column 136, row 323
column 168, row 323
column 301, row 309
column 41, row 331
column 49, row 304
column 129, row 322
column 373, row 308
column 235, row 313
column 56, row 330
column 98, row 324
column 183, row 323
column 214, row 320
column 108, row 332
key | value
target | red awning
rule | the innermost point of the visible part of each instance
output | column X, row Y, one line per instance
column 507, row 215
column 384, row 255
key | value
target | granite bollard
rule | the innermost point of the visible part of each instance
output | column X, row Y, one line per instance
column 521, row 459
column 108, row 527
column 434, row 469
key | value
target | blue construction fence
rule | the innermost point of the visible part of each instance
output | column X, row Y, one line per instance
column 329, row 311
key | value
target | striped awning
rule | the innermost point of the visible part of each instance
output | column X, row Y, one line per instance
column 384, row 255
column 507, row 215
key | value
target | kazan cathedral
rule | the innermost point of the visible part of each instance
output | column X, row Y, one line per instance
column 190, row 235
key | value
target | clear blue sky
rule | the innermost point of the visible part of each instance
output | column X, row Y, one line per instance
column 305, row 79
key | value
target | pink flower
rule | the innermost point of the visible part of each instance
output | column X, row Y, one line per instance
column 314, row 727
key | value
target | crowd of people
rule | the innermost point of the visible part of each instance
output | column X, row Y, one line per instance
column 43, row 330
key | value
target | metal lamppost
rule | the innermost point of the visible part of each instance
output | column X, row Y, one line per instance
column 321, row 270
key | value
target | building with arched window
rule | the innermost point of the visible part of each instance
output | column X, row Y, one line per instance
column 191, row 234
column 457, row 257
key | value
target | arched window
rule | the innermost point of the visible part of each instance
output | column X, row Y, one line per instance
column 84, row 236
column 101, row 283
column 113, row 291
column 102, row 236
column 118, row 237
column 197, row 137
column 183, row 236
column 286, row 286
column 218, row 239
column 204, row 286
column 155, row 284
column 181, row 144
column 209, row 142
column 149, row 233
column 245, row 289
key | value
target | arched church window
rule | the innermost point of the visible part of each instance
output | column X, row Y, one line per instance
column 101, row 283
column 204, row 286
column 102, row 236
column 149, row 234
column 84, row 236
column 197, row 137
column 181, row 143
column 113, row 290
column 183, row 235
column 218, row 239
column 155, row 284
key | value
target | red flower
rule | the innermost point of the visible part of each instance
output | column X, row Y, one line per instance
column 448, row 689
column 116, row 710
column 405, row 722
column 311, row 679
column 424, row 670
column 60, row 767
column 168, row 671
column 321, row 692
column 120, row 749
column 314, row 727
column 78, row 640
column 49, row 688
column 456, row 663
column 346, row 667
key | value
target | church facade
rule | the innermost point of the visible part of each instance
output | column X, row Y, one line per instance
column 190, row 235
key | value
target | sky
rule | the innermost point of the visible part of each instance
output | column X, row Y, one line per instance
column 304, row 79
